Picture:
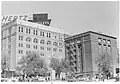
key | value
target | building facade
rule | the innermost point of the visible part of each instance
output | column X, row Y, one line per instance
column 20, row 38
column 84, row 49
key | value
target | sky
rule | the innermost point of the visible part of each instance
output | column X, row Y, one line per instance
column 73, row 17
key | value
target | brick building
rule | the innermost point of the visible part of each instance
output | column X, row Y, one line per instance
column 82, row 51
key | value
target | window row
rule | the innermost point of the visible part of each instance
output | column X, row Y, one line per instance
column 35, row 40
column 104, row 40
column 35, row 32
column 41, row 47
column 29, row 52
column 104, row 48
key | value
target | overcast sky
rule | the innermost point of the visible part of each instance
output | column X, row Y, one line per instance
column 73, row 17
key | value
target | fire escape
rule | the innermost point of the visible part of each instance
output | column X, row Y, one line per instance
column 74, row 54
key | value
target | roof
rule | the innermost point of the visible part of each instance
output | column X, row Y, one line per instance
column 88, row 32
column 35, row 25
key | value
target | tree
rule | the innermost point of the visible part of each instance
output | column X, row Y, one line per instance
column 32, row 64
column 55, row 64
column 60, row 65
column 4, row 63
column 103, row 64
column 65, row 66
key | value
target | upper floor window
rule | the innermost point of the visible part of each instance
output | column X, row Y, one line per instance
column 42, row 54
column 20, row 51
column 20, row 29
column 108, row 41
column 55, row 37
column 26, row 30
column 27, row 45
column 35, row 40
column 104, row 40
column 60, row 44
column 35, row 47
column 29, row 31
column 48, row 42
column 34, row 32
column 49, row 35
column 42, row 42
column 99, row 40
column 54, row 49
column 20, row 44
column 42, row 47
column 28, row 39
column 55, row 43
column 60, row 37
column 60, row 50
column 40, row 33
column 28, row 52
column 43, row 33
column 48, row 49
column 109, row 48
column 20, row 37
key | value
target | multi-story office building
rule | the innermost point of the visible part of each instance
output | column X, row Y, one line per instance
column 20, row 38
column 84, row 49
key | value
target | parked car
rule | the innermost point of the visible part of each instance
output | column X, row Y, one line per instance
column 42, row 79
column 14, row 79
column 4, row 79
column 71, row 79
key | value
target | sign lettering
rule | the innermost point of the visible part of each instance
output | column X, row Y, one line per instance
column 6, row 19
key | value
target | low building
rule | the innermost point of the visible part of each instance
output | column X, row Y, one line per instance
column 84, row 49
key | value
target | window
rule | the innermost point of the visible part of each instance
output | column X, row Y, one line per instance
column 49, row 35
column 104, row 48
column 104, row 40
column 20, row 44
column 109, row 48
column 43, row 33
column 36, row 32
column 27, row 45
column 42, row 54
column 19, row 29
column 35, row 40
column 55, row 43
column 108, row 42
column 60, row 50
column 35, row 47
column 40, row 33
column 42, row 41
column 60, row 44
column 28, row 52
column 26, row 30
column 20, row 51
column 99, row 39
column 22, row 29
column 42, row 48
column 48, row 49
column 100, row 48
column 60, row 37
column 55, row 37
column 33, row 32
column 20, row 37
column 29, row 31
column 54, row 49
column 28, row 39
column 48, row 42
